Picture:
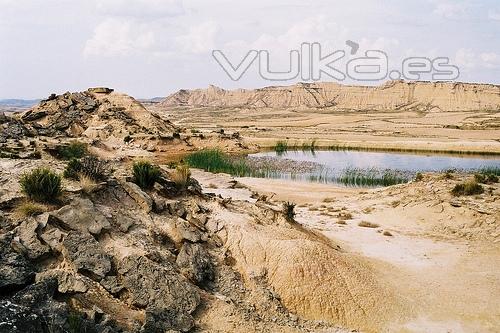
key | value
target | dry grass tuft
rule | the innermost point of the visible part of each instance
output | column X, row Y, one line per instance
column 87, row 184
column 29, row 208
column 181, row 176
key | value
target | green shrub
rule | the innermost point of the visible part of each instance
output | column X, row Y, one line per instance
column 419, row 177
column 41, row 184
column 94, row 168
column 468, row 188
column 145, row 174
column 74, row 150
column 289, row 210
column 72, row 170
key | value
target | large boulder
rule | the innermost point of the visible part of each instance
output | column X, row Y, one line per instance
column 80, row 215
column 164, row 293
column 87, row 256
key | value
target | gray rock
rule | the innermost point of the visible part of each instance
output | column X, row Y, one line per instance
column 111, row 284
column 28, row 237
column 195, row 263
column 101, row 90
column 162, row 320
column 142, row 199
column 68, row 282
column 87, row 256
column 80, row 215
column 15, row 269
column 159, row 289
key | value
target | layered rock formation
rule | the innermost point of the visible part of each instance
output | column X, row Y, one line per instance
column 392, row 96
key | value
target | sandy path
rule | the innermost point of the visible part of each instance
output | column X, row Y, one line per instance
column 453, row 285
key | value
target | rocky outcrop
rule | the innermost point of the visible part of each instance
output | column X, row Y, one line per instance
column 98, row 113
column 392, row 96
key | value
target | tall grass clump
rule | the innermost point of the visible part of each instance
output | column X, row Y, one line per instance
column 75, row 149
column 281, row 147
column 145, row 174
column 41, row 185
column 214, row 160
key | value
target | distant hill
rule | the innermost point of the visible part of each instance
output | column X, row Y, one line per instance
column 19, row 102
column 391, row 96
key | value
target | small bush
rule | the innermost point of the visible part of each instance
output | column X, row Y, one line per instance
column 29, row 208
column 41, row 185
column 181, row 176
column 94, row 168
column 74, row 150
column 289, row 210
column 72, row 170
column 486, row 178
column 145, row 174
column 467, row 188
column 419, row 177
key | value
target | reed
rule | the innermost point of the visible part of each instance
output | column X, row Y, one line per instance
column 214, row 160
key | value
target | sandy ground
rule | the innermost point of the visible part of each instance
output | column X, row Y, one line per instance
column 442, row 260
column 446, row 131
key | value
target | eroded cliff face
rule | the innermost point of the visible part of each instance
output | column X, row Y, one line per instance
column 392, row 96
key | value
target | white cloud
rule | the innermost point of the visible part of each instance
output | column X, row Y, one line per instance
column 450, row 9
column 494, row 15
column 465, row 59
column 115, row 37
column 490, row 60
column 468, row 59
column 140, row 8
column 199, row 39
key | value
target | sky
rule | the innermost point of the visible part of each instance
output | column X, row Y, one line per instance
column 150, row 48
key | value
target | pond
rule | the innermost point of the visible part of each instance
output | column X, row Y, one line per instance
column 364, row 168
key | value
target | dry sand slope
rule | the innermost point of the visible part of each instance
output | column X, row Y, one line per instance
column 429, row 262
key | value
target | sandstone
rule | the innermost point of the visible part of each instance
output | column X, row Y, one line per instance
column 394, row 95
